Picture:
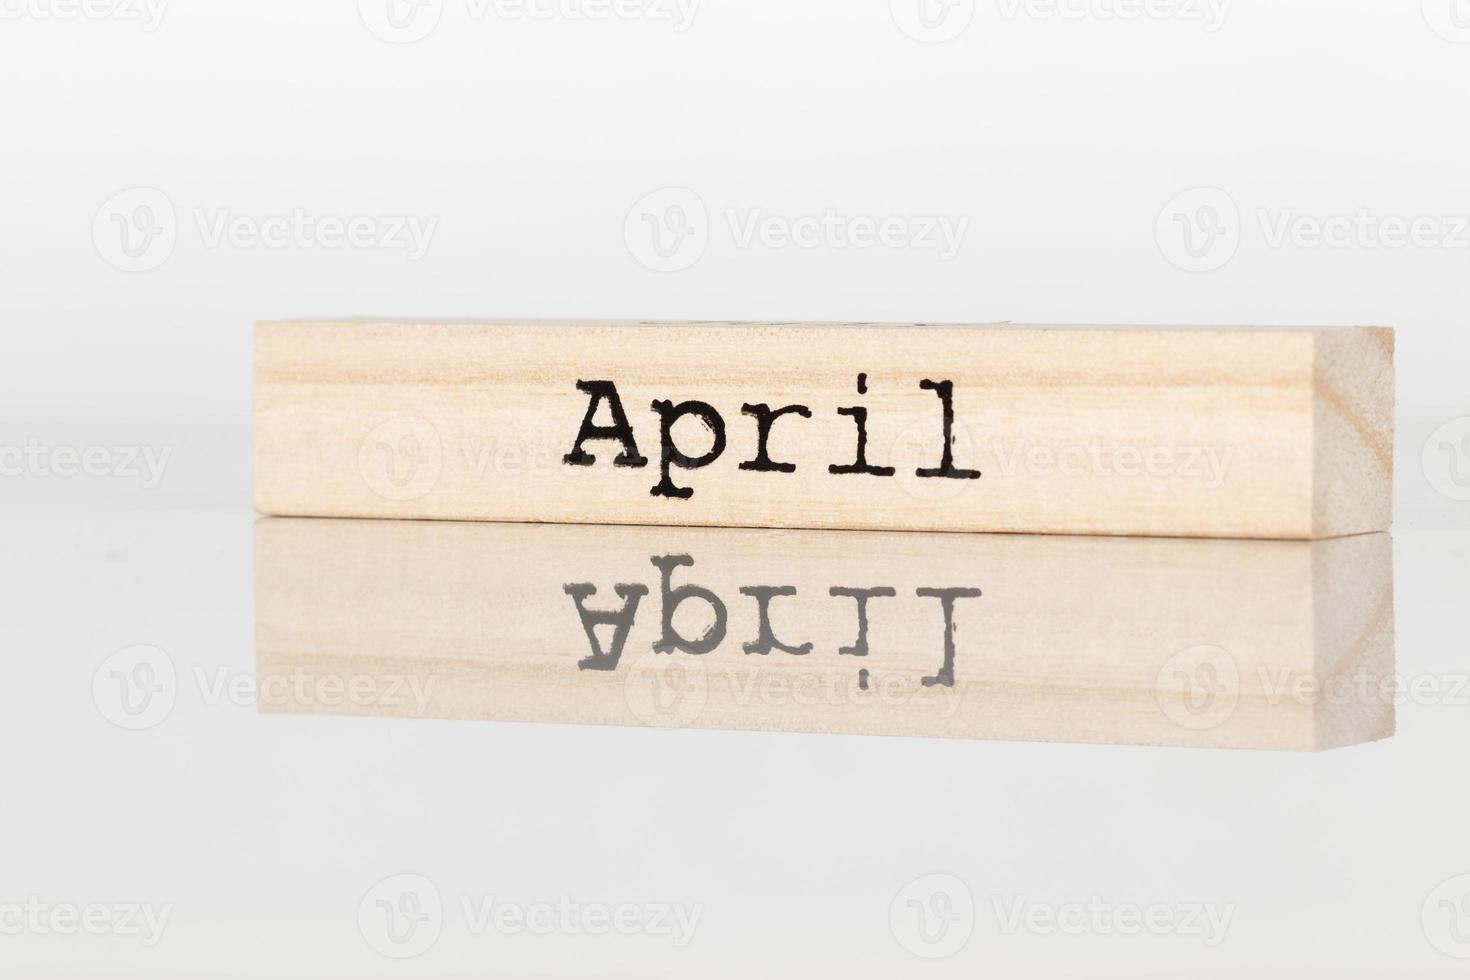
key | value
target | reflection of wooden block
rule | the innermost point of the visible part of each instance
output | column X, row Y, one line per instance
column 1278, row 433
column 1268, row 644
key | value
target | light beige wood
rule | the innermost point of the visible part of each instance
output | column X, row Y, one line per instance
column 1230, row 432
column 1263, row 644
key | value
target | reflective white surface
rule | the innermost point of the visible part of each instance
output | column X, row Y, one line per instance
column 262, row 834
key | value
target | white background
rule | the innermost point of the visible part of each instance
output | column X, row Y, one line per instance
column 1064, row 142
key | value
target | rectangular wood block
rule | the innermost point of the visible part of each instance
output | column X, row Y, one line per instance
column 1220, row 432
column 1187, row 642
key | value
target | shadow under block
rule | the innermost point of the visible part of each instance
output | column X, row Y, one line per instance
column 1153, row 641
column 1228, row 432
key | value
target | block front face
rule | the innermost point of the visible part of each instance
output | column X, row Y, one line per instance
column 965, row 428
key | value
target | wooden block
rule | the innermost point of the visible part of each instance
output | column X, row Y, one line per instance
column 1156, row 641
column 1274, row 433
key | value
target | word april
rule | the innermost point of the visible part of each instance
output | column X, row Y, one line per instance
column 670, row 640
column 766, row 417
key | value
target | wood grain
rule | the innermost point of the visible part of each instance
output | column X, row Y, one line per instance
column 1221, row 432
column 1218, row 643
